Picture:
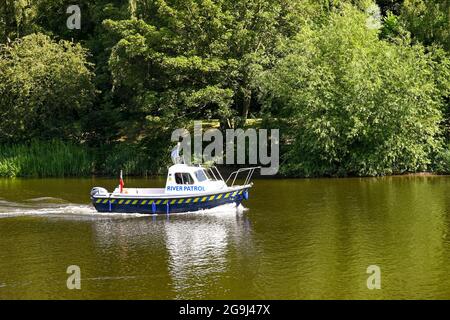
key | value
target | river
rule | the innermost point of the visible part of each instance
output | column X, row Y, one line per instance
column 295, row 239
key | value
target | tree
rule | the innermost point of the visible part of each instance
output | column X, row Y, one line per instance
column 428, row 21
column 45, row 89
column 22, row 17
column 355, row 104
column 197, row 58
column 16, row 19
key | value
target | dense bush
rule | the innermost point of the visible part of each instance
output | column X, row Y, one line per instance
column 357, row 105
column 45, row 89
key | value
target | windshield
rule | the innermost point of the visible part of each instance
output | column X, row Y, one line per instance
column 201, row 175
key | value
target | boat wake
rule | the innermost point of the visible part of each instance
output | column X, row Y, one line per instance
column 46, row 200
column 59, row 207
column 14, row 209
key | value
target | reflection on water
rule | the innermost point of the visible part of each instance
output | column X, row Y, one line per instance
column 198, row 250
column 298, row 239
column 196, row 244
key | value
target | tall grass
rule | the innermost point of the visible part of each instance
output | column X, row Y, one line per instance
column 45, row 159
column 64, row 159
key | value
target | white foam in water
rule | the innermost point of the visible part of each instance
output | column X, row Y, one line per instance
column 28, row 211
column 7, row 204
column 12, row 209
column 224, row 209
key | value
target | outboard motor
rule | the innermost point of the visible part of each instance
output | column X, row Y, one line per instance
column 98, row 191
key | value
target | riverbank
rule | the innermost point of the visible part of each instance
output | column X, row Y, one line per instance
column 40, row 159
column 66, row 159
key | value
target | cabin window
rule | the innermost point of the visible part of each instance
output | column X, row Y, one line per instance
column 183, row 178
column 201, row 175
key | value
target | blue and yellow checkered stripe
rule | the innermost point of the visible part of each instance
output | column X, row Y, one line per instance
column 191, row 200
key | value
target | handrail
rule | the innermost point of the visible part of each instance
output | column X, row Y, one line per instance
column 250, row 170
column 212, row 172
column 218, row 172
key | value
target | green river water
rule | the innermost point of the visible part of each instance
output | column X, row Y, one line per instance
column 295, row 239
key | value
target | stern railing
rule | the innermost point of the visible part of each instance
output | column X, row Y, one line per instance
column 248, row 178
column 214, row 171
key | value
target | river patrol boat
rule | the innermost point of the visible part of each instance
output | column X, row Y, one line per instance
column 188, row 188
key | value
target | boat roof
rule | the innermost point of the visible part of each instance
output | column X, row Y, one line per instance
column 181, row 167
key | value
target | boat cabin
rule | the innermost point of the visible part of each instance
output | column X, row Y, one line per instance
column 185, row 179
column 181, row 179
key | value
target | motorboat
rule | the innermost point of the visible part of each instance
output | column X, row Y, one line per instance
column 188, row 188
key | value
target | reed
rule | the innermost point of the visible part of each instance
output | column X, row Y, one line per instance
column 45, row 159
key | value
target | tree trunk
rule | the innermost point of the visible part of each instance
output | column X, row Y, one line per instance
column 247, row 97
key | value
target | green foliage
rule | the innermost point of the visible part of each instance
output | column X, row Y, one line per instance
column 441, row 163
column 392, row 27
column 428, row 20
column 358, row 105
column 45, row 89
column 134, row 159
column 17, row 19
column 196, row 58
column 345, row 101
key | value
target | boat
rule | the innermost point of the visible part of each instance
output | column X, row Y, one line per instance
column 188, row 188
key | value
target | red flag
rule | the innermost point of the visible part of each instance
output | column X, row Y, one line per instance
column 121, row 184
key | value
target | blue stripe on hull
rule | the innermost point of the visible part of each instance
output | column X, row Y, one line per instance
column 161, row 208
